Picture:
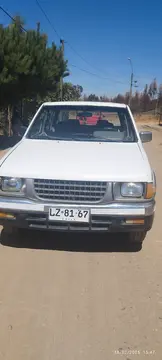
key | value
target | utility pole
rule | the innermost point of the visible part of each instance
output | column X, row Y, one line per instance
column 62, row 42
column 131, row 82
column 130, row 92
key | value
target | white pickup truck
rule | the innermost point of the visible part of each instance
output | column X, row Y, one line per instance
column 80, row 166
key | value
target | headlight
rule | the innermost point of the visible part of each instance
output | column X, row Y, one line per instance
column 134, row 190
column 11, row 184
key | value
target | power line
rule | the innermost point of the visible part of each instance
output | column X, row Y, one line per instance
column 56, row 32
column 87, row 62
column 48, row 19
column 81, row 57
column 96, row 75
column 72, row 48
column 84, row 70
column 5, row 12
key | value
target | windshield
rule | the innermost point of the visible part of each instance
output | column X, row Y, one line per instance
column 80, row 123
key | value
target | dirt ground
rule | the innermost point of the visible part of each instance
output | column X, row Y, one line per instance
column 78, row 297
column 146, row 119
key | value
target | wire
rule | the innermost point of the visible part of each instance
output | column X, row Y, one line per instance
column 88, row 72
column 76, row 52
column 56, row 32
column 5, row 12
column 84, row 70
column 47, row 18
column 96, row 75
column 81, row 57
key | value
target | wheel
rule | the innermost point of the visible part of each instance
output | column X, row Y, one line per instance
column 136, row 239
column 137, row 236
column 13, row 230
column 9, row 230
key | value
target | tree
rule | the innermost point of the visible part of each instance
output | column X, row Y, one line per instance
column 148, row 99
column 29, row 68
column 159, row 99
column 136, row 102
column 92, row 97
column 104, row 98
column 153, row 89
column 119, row 99
column 144, row 99
column 71, row 92
column 160, row 96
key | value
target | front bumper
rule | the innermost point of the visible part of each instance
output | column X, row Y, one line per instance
column 115, row 217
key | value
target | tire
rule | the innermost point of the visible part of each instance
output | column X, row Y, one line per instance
column 11, row 230
column 137, row 236
column 136, row 239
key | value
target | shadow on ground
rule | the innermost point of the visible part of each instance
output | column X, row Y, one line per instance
column 74, row 242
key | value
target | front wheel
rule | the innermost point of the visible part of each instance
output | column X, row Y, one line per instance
column 9, row 230
column 136, row 239
column 137, row 236
column 13, row 230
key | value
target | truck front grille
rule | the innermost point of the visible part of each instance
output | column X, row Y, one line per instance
column 70, row 191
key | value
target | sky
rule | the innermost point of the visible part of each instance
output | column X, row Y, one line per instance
column 104, row 35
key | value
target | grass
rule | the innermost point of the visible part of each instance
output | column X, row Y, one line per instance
column 146, row 119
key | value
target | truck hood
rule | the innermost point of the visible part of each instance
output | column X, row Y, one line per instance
column 75, row 160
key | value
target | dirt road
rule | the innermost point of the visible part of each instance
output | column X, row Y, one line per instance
column 82, row 297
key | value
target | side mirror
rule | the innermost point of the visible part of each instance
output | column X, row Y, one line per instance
column 146, row 136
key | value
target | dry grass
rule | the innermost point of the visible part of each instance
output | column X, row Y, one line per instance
column 146, row 119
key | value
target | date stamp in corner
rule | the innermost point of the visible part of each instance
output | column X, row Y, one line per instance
column 129, row 352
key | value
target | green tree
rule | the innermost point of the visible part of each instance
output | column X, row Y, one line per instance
column 29, row 68
column 92, row 97
column 71, row 92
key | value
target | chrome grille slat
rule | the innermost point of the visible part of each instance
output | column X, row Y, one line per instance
column 75, row 191
column 70, row 185
column 65, row 191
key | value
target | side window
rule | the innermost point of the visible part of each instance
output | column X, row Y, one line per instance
column 124, row 122
column 50, row 120
column 38, row 123
column 47, row 122
column 112, row 118
column 116, row 120
column 109, row 120
column 64, row 116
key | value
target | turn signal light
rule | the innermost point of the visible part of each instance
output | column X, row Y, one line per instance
column 135, row 221
column 150, row 191
column 6, row 216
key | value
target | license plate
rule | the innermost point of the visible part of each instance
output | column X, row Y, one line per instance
column 67, row 214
